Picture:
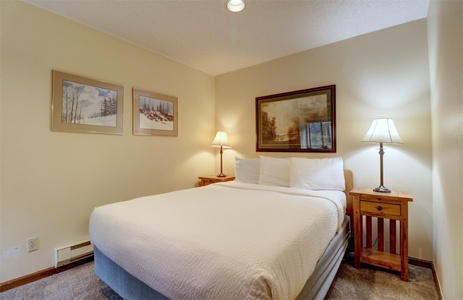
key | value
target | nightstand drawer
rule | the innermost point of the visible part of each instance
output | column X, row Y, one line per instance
column 376, row 208
column 207, row 181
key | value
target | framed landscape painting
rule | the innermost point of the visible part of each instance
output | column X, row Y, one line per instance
column 154, row 114
column 298, row 121
column 81, row 104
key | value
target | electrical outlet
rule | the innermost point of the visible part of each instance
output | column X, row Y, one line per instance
column 32, row 244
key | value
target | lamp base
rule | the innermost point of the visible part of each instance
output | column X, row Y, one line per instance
column 382, row 189
column 221, row 175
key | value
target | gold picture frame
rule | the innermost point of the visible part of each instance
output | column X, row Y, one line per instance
column 154, row 114
column 80, row 104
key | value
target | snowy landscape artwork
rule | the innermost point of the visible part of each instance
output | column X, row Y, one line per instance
column 85, row 104
column 81, row 104
column 156, row 114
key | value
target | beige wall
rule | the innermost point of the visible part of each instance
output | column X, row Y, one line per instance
column 381, row 74
column 51, row 181
column 445, row 31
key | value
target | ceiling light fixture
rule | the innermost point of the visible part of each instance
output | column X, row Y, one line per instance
column 235, row 5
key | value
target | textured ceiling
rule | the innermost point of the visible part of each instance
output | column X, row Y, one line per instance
column 205, row 36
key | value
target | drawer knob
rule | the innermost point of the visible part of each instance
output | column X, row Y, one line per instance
column 379, row 208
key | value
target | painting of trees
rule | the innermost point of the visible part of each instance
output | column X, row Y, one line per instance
column 71, row 109
column 156, row 113
column 85, row 104
column 297, row 121
column 269, row 129
column 82, row 104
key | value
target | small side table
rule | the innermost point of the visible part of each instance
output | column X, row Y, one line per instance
column 392, row 206
column 206, row 180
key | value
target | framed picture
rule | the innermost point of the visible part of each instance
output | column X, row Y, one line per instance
column 80, row 104
column 154, row 114
column 298, row 121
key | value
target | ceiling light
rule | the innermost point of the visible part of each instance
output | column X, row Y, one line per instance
column 235, row 5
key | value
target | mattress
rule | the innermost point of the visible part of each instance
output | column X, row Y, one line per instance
column 228, row 240
column 316, row 288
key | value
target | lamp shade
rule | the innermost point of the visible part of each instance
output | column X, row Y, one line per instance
column 382, row 131
column 221, row 139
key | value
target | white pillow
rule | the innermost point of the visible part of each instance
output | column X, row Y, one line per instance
column 317, row 174
column 247, row 170
column 274, row 171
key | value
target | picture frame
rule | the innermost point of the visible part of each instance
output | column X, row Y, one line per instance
column 297, row 121
column 84, row 105
column 154, row 113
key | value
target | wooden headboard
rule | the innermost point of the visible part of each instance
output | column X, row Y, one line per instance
column 349, row 179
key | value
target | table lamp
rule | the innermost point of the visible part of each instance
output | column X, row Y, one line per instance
column 221, row 140
column 382, row 131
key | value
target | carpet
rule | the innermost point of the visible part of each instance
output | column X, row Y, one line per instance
column 349, row 283
column 373, row 283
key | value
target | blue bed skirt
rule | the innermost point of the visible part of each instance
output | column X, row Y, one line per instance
column 129, row 287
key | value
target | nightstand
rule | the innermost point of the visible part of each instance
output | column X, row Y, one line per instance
column 205, row 180
column 393, row 207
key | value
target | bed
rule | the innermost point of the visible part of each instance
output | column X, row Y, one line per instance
column 279, row 231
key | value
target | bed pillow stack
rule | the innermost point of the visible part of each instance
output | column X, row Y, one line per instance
column 303, row 173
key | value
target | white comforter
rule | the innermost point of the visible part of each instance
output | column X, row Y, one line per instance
column 223, row 241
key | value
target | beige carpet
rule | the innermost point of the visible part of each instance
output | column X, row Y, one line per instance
column 375, row 283
column 350, row 283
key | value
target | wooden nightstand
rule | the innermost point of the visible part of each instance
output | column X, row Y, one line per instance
column 393, row 206
column 205, row 180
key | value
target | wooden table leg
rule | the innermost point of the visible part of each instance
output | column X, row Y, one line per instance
column 357, row 232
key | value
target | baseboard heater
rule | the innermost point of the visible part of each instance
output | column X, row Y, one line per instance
column 72, row 253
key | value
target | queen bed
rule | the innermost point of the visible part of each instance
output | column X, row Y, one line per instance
column 279, row 231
